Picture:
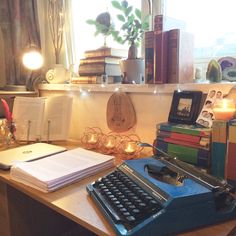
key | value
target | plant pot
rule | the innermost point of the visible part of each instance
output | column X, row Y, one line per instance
column 132, row 71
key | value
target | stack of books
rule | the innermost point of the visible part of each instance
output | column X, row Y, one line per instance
column 101, row 65
column 189, row 143
column 168, row 52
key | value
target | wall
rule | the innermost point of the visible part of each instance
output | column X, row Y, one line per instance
column 151, row 103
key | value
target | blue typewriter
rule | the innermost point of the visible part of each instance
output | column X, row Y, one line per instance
column 161, row 196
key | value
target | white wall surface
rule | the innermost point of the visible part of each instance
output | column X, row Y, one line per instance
column 151, row 109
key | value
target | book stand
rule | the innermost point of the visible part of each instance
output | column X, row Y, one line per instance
column 39, row 139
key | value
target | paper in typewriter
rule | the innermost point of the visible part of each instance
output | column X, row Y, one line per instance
column 56, row 171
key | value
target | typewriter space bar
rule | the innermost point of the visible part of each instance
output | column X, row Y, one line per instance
column 108, row 207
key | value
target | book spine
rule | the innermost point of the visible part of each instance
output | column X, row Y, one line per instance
column 196, row 156
column 106, row 52
column 179, row 136
column 149, row 57
column 158, row 24
column 94, row 80
column 184, row 130
column 92, row 54
column 173, row 62
column 98, row 60
column 219, row 148
column 99, row 69
column 180, row 57
column 184, row 142
column 160, row 58
column 231, row 157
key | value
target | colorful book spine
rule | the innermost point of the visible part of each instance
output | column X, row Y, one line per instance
column 203, row 141
column 219, row 148
column 185, row 129
column 149, row 57
column 196, row 156
column 184, row 142
column 231, row 154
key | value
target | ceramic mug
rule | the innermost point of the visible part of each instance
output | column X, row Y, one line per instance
column 58, row 75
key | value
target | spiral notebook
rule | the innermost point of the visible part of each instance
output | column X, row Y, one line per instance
column 27, row 153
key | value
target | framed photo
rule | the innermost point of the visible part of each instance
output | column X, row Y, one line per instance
column 185, row 107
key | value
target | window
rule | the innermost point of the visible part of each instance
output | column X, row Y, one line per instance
column 212, row 23
column 83, row 10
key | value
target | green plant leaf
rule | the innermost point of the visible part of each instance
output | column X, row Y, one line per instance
column 121, row 18
column 145, row 25
column 90, row 22
column 128, row 10
column 137, row 24
column 124, row 4
column 116, row 4
column 138, row 13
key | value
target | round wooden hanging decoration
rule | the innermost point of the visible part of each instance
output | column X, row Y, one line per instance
column 120, row 112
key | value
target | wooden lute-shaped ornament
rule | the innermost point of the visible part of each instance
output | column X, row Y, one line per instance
column 120, row 112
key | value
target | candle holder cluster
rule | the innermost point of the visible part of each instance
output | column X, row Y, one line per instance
column 123, row 146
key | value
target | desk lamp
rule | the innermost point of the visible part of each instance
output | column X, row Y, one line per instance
column 33, row 60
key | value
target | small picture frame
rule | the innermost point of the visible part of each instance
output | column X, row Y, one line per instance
column 185, row 107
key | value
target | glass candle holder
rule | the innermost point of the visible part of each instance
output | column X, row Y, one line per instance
column 224, row 109
column 130, row 148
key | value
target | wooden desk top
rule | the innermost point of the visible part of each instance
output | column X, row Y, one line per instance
column 74, row 202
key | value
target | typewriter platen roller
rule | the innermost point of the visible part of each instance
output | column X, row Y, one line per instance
column 161, row 196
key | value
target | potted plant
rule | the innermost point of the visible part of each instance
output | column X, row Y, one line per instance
column 131, row 30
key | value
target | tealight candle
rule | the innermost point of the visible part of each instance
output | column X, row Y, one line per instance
column 224, row 109
column 129, row 149
column 93, row 139
column 110, row 144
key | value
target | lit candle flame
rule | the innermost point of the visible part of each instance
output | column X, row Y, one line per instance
column 129, row 149
column 93, row 139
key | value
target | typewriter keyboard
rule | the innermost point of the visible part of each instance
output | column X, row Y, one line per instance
column 125, row 201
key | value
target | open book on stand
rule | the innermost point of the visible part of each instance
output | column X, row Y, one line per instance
column 42, row 119
column 53, row 172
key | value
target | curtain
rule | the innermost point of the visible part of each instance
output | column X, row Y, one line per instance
column 69, row 42
column 20, row 29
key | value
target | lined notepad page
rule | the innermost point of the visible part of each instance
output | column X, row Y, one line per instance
column 53, row 172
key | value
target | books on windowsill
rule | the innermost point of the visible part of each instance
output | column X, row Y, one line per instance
column 54, row 172
column 90, row 69
column 96, row 79
column 100, row 62
column 106, row 52
column 168, row 52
